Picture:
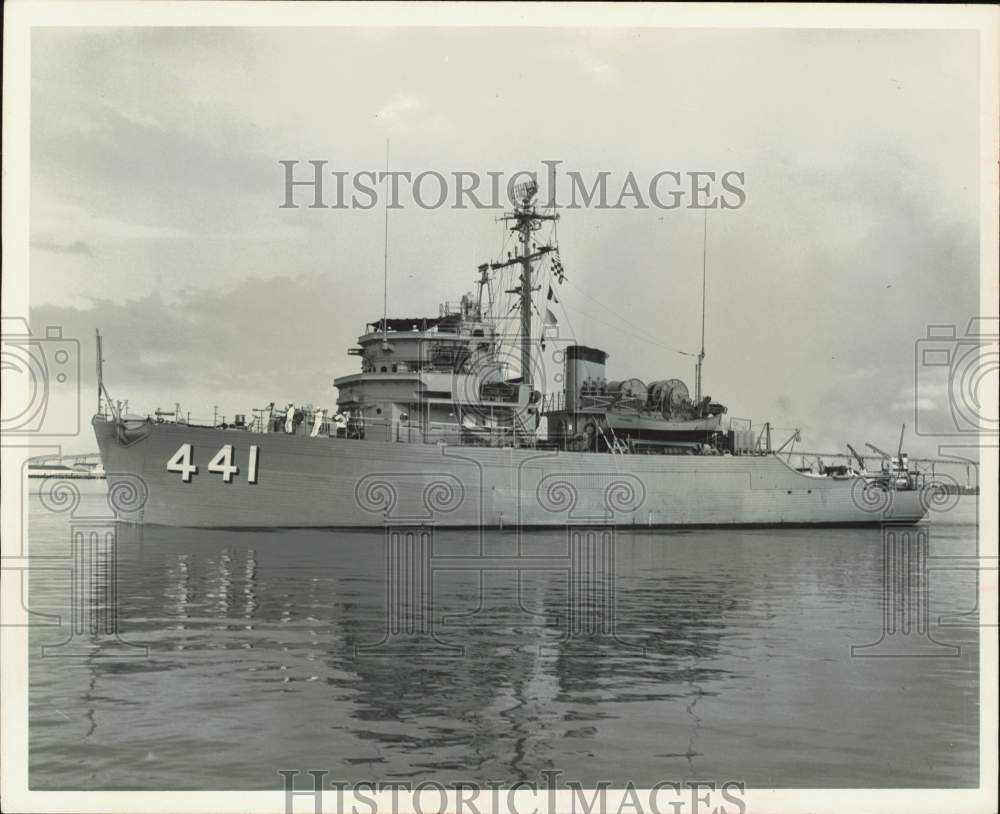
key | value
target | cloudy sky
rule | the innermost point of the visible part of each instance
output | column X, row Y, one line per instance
column 155, row 188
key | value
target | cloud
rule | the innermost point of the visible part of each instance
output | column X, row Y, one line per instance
column 138, row 118
column 281, row 339
column 123, row 149
column 76, row 247
column 53, row 218
column 593, row 67
column 407, row 113
column 400, row 111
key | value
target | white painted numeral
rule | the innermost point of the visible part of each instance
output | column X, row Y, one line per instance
column 252, row 466
column 223, row 464
column 181, row 462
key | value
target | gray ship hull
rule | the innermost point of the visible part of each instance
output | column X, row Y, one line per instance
column 300, row 481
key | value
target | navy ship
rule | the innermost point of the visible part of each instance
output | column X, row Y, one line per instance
column 447, row 423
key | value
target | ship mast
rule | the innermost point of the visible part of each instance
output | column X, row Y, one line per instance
column 385, row 258
column 701, row 353
column 525, row 221
column 524, row 229
column 100, row 375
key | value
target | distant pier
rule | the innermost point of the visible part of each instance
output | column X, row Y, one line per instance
column 76, row 467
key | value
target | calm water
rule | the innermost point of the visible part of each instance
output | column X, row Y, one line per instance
column 731, row 659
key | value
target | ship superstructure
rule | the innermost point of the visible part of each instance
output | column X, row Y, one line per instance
column 445, row 378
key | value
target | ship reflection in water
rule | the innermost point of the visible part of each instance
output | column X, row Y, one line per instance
column 646, row 657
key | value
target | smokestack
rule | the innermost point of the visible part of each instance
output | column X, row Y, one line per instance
column 583, row 367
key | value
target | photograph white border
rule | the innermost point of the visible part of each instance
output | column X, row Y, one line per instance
column 21, row 16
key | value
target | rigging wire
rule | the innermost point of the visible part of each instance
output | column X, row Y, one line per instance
column 631, row 323
column 555, row 242
column 565, row 313
column 634, row 336
column 648, row 337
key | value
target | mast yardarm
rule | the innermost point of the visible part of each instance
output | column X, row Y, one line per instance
column 525, row 220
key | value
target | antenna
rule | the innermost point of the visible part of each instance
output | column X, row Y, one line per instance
column 704, row 266
column 103, row 397
column 100, row 375
column 385, row 257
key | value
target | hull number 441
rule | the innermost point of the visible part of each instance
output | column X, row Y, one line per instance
column 222, row 463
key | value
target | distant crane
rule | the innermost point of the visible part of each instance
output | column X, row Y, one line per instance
column 857, row 457
column 885, row 454
column 878, row 451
